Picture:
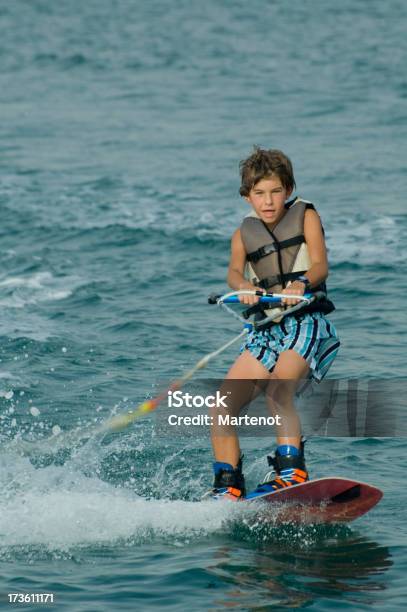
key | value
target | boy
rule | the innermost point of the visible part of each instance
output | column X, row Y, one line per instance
column 281, row 244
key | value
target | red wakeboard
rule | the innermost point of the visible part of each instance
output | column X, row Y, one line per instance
column 324, row 500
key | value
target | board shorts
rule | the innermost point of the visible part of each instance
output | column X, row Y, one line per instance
column 311, row 335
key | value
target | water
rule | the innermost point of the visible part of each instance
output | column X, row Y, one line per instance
column 122, row 127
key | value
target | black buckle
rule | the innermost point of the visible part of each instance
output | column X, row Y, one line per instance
column 263, row 251
column 269, row 248
column 252, row 310
column 271, row 461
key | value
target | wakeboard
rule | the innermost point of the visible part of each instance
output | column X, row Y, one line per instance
column 324, row 500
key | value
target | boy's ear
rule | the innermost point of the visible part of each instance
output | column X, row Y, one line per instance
column 247, row 199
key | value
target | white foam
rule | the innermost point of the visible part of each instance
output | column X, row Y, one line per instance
column 376, row 240
column 34, row 288
column 6, row 394
column 36, row 281
column 61, row 508
column 7, row 375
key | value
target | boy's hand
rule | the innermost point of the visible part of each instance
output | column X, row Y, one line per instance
column 249, row 299
column 295, row 288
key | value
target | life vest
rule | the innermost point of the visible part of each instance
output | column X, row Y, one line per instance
column 275, row 258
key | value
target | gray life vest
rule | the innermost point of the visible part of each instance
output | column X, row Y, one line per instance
column 275, row 258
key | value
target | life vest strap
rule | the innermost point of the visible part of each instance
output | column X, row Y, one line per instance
column 280, row 279
column 252, row 310
column 273, row 247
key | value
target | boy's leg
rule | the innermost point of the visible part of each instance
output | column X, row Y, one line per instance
column 288, row 461
column 289, row 370
column 246, row 368
column 241, row 383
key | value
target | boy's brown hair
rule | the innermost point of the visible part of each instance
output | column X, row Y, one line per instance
column 262, row 164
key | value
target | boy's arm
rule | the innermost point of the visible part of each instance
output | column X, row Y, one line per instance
column 314, row 237
column 237, row 263
column 318, row 272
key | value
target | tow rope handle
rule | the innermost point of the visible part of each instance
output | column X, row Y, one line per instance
column 269, row 298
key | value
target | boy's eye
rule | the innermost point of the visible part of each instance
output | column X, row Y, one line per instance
column 276, row 190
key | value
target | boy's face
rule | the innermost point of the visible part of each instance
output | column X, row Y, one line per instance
column 267, row 197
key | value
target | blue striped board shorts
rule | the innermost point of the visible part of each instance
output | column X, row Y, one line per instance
column 311, row 335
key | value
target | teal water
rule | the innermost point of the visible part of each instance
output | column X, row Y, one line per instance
column 122, row 127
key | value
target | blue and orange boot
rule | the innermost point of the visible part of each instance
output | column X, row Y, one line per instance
column 228, row 483
column 288, row 469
